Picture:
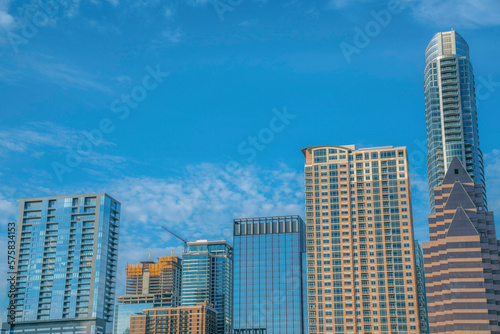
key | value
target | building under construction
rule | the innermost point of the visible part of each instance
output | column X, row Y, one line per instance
column 156, row 283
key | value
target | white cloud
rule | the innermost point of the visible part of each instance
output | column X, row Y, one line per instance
column 492, row 171
column 338, row 4
column 206, row 199
column 63, row 74
column 172, row 36
column 447, row 13
column 124, row 79
column 169, row 13
column 200, row 205
column 6, row 20
column 459, row 13
column 35, row 135
column 37, row 139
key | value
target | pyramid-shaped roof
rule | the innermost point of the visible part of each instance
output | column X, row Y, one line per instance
column 461, row 226
column 459, row 198
column 456, row 172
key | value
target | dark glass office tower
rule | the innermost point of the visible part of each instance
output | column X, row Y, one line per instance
column 269, row 276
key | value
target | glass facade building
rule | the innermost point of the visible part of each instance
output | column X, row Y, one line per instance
column 269, row 275
column 151, row 282
column 451, row 113
column 361, row 266
column 121, row 323
column 67, row 249
column 207, row 275
column 422, row 297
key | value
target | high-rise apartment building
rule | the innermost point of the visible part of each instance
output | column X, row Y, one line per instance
column 359, row 240
column 66, row 257
column 149, row 284
column 156, row 283
column 269, row 275
column 196, row 319
column 462, row 267
column 207, row 275
column 450, row 104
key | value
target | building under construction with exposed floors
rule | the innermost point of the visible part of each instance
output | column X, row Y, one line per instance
column 156, row 283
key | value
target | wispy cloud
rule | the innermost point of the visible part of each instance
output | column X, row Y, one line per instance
column 447, row 13
column 6, row 20
column 200, row 205
column 60, row 73
column 458, row 13
column 206, row 199
column 44, row 68
column 35, row 135
column 172, row 36
column 248, row 23
column 38, row 139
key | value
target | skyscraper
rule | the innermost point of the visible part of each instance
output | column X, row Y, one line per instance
column 462, row 267
column 66, row 256
column 207, row 275
column 359, row 238
column 149, row 284
column 421, row 289
column 450, row 104
column 269, row 275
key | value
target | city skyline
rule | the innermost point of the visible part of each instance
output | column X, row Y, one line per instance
column 136, row 173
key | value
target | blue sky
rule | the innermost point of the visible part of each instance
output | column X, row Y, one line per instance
column 204, row 81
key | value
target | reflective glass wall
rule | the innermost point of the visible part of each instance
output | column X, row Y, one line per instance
column 67, row 250
column 121, row 324
column 269, row 275
column 207, row 274
column 451, row 113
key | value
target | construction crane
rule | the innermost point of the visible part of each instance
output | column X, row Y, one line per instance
column 184, row 241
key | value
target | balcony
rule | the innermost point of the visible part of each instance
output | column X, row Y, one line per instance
column 447, row 75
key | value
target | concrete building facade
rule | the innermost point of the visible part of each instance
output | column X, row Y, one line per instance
column 361, row 266
column 196, row 319
column 462, row 259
